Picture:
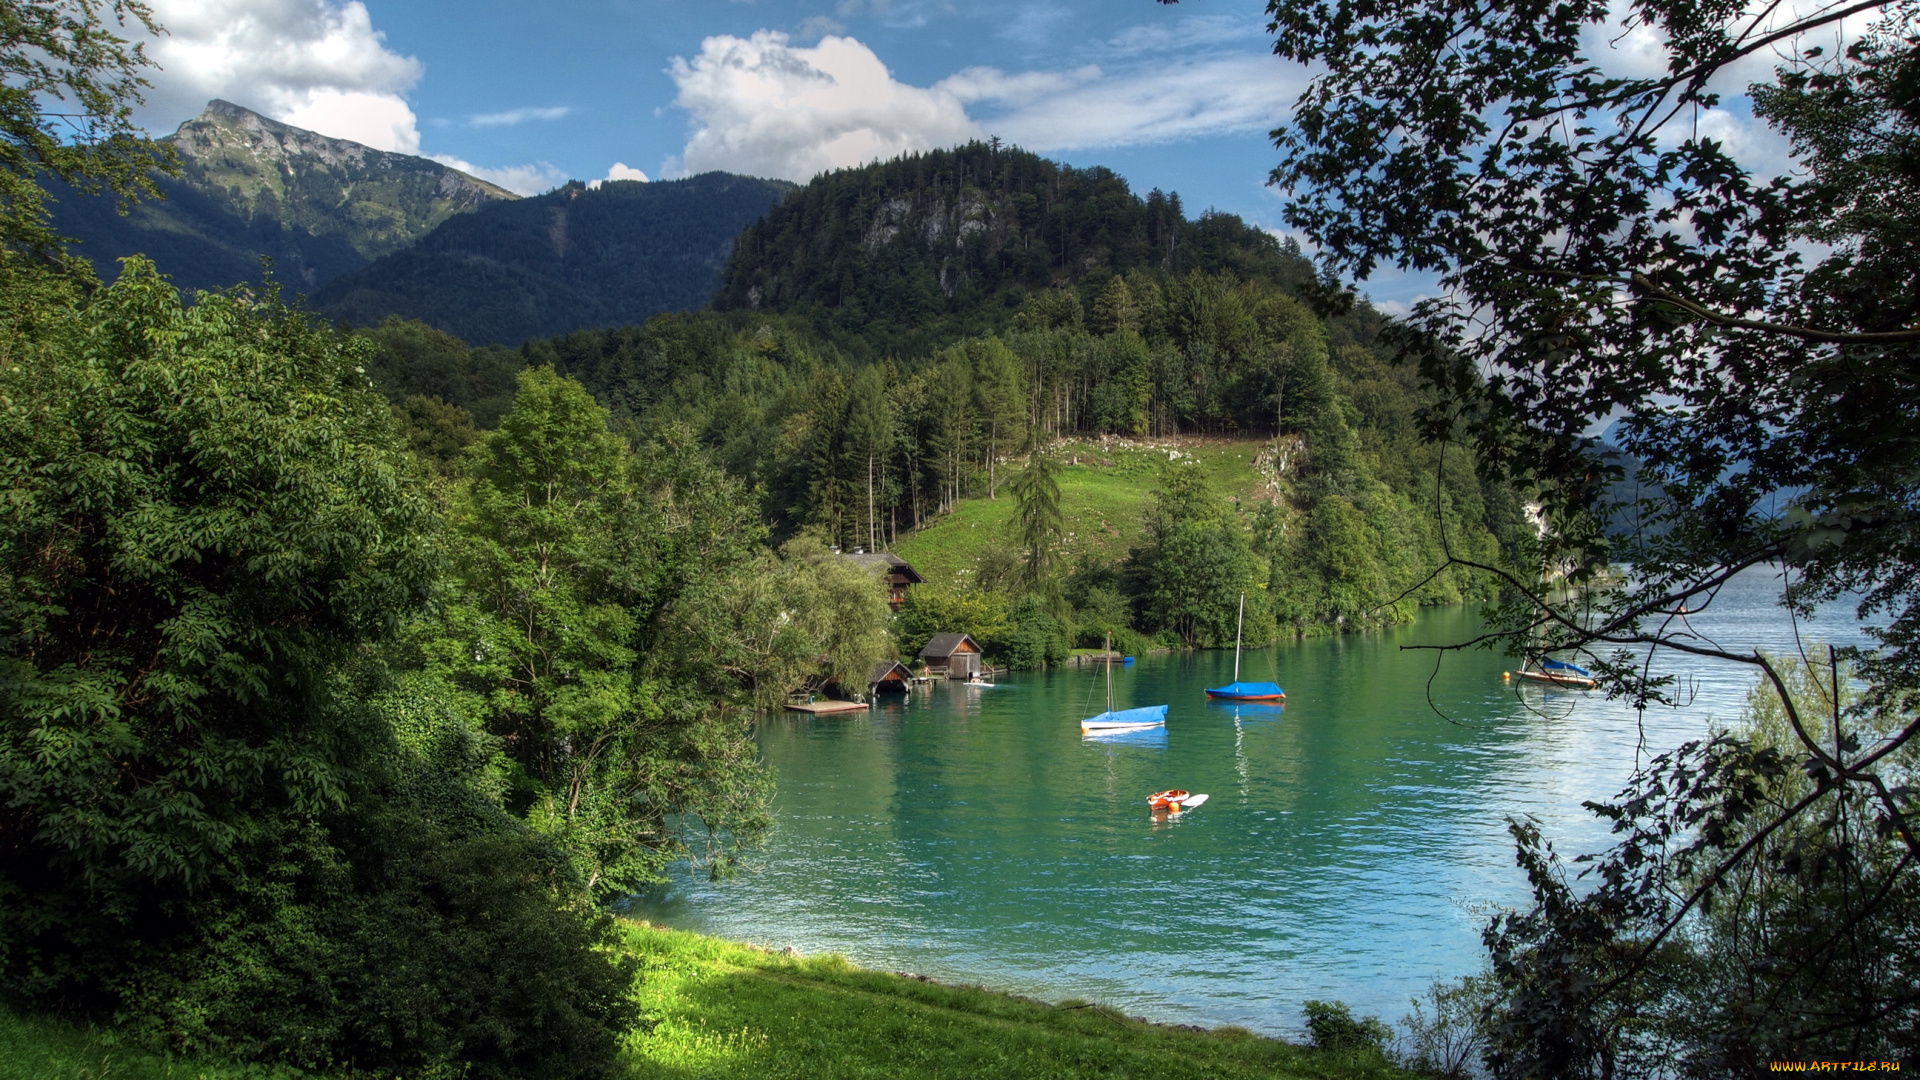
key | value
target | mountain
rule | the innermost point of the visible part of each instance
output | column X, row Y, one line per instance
column 575, row 258
column 251, row 186
column 927, row 248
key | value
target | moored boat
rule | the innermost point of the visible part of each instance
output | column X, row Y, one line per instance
column 1146, row 716
column 1119, row 720
column 1245, row 691
column 1558, row 673
column 1175, row 801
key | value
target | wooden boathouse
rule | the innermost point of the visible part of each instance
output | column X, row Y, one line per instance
column 955, row 656
column 889, row 677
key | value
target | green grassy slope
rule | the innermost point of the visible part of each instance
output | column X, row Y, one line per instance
column 1105, row 492
column 718, row 1010
column 721, row 1010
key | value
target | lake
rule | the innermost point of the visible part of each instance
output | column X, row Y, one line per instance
column 1353, row 847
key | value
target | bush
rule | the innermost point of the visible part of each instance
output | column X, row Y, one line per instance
column 1331, row 1026
column 206, row 830
column 1038, row 640
column 1445, row 1031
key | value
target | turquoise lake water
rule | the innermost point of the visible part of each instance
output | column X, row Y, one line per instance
column 1353, row 846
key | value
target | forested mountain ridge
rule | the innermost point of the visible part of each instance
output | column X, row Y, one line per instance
column 251, row 186
column 920, row 250
column 575, row 258
column 895, row 343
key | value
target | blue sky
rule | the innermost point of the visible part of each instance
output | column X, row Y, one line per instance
column 1176, row 97
column 528, row 95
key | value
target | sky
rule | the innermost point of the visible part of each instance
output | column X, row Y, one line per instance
column 1177, row 97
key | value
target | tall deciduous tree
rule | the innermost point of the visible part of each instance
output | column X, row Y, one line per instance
column 206, row 509
column 568, row 561
column 1753, row 339
column 1197, row 562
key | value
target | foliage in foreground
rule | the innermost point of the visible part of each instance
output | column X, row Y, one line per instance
column 1751, row 335
column 225, row 820
column 1729, row 932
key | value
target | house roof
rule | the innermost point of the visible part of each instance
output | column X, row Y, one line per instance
column 948, row 644
column 890, row 563
column 886, row 669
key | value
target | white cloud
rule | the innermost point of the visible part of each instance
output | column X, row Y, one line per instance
column 763, row 107
column 519, row 179
column 519, row 116
column 1191, row 32
column 766, row 107
column 620, row 171
column 382, row 121
column 317, row 64
column 1166, row 101
column 990, row 84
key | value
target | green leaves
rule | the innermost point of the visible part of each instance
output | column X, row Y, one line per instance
column 581, row 624
column 207, row 509
column 67, row 51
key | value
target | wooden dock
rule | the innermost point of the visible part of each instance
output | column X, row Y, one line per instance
column 825, row 707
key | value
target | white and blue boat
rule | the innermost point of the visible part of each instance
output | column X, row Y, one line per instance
column 1114, row 721
column 1245, row 691
column 1148, row 716
column 1558, row 673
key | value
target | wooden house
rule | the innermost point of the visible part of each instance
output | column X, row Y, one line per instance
column 956, row 656
column 897, row 572
column 889, row 677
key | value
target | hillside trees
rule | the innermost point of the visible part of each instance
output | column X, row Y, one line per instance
column 210, row 809
column 1752, row 340
column 1197, row 563
column 575, row 561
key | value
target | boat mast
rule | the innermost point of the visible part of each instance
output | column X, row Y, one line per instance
column 1237, row 628
column 1108, row 642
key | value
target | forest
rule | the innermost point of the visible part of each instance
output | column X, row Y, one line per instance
column 840, row 437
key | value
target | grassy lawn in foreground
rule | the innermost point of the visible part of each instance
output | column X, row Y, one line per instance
column 715, row 1009
column 1106, row 489
column 43, row 1049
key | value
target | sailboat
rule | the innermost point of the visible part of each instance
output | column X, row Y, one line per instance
column 1559, row 673
column 1245, row 691
column 1112, row 722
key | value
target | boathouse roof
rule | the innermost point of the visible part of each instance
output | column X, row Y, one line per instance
column 944, row 645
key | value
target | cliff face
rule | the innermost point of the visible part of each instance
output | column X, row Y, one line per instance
column 926, row 248
column 250, row 187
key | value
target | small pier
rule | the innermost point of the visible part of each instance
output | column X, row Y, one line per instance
column 823, row 707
